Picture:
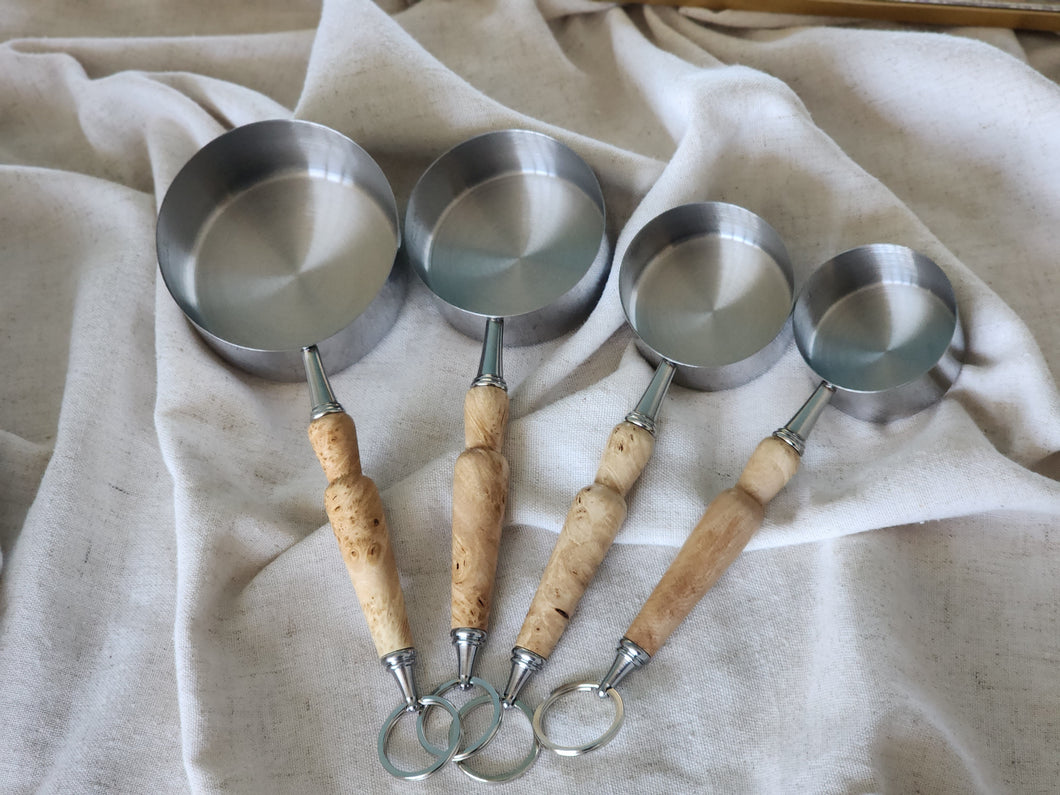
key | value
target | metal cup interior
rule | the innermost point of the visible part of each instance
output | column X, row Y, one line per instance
column 709, row 287
column 510, row 224
column 280, row 235
column 880, row 323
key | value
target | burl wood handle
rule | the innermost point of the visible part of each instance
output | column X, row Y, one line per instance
column 480, row 495
column 356, row 513
column 726, row 527
column 592, row 522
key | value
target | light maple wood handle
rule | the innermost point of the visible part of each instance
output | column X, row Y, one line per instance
column 592, row 522
column 356, row 512
column 480, row 496
column 726, row 527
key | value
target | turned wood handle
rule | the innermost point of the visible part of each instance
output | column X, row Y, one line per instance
column 592, row 522
column 480, row 495
column 356, row 513
column 726, row 527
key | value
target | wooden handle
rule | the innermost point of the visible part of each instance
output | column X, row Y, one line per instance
column 480, row 495
column 592, row 522
column 356, row 513
column 726, row 527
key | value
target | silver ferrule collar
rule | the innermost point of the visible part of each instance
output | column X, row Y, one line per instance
column 525, row 664
column 629, row 656
column 490, row 380
column 491, row 364
column 641, row 420
column 793, row 440
column 320, row 393
column 797, row 431
column 646, row 413
column 466, row 640
column 400, row 663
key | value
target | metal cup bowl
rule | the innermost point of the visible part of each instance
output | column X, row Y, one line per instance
column 280, row 235
column 708, row 286
column 510, row 224
column 880, row 323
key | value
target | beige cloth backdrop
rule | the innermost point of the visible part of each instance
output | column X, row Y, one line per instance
column 174, row 615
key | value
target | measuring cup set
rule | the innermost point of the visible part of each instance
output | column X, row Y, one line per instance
column 278, row 240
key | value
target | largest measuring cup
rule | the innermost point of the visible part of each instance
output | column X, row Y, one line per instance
column 278, row 241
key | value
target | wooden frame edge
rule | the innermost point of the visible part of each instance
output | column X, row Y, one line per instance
column 929, row 12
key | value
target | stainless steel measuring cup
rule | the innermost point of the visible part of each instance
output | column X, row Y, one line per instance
column 879, row 325
column 278, row 241
column 708, row 290
column 508, row 230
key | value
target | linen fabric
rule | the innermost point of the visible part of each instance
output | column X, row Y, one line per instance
column 174, row 613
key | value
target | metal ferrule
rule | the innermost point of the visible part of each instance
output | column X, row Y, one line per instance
column 797, row 431
column 646, row 414
column 400, row 663
column 629, row 657
column 321, row 409
column 525, row 664
column 490, row 380
column 641, row 420
column 491, row 365
column 467, row 641
column 320, row 393
column 793, row 440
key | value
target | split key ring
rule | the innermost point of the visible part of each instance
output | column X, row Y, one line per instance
column 491, row 695
column 577, row 750
column 442, row 756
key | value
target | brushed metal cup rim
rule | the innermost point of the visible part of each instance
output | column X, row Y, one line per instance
column 472, row 165
column 940, row 347
column 688, row 223
column 236, row 162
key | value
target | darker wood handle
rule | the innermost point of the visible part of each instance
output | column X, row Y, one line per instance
column 726, row 527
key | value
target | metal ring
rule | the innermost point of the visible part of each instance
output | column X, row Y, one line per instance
column 577, row 750
column 441, row 758
column 523, row 765
column 491, row 730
